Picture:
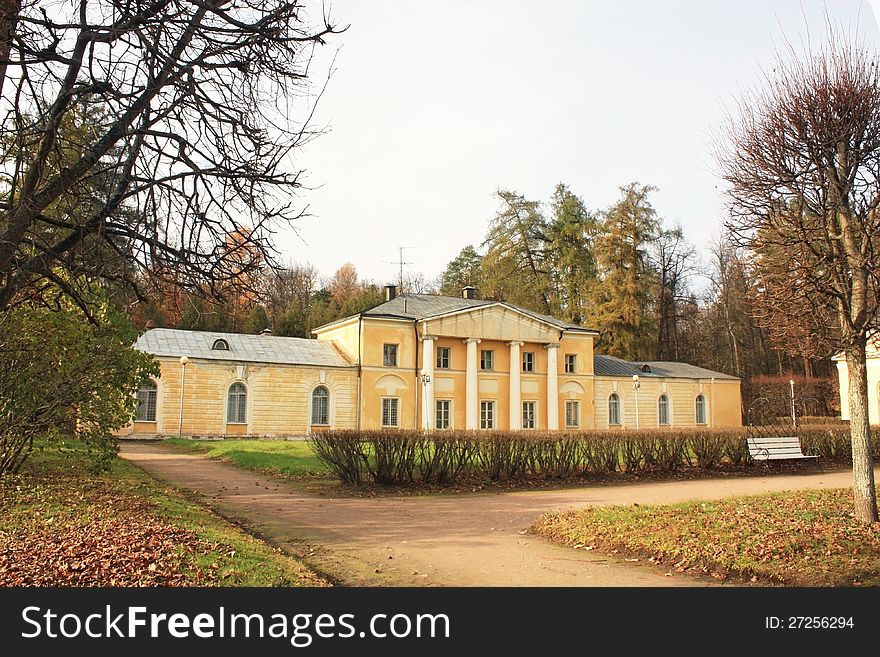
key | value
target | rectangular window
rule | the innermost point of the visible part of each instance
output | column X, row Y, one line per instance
column 487, row 359
column 570, row 363
column 389, row 355
column 389, row 411
column 441, row 420
column 572, row 414
column 487, row 415
column 528, row 363
column 146, row 405
column 443, row 358
column 528, row 417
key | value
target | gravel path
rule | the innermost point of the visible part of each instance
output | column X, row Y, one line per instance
column 441, row 540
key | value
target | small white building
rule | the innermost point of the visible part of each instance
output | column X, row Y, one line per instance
column 873, row 384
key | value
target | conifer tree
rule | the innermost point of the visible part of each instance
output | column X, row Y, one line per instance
column 623, row 312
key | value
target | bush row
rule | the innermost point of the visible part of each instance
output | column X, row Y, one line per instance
column 402, row 457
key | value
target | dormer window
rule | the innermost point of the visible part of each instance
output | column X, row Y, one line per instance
column 646, row 368
column 220, row 345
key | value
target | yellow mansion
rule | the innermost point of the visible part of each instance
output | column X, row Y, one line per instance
column 419, row 361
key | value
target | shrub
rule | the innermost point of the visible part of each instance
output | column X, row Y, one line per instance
column 601, row 453
column 707, row 449
column 444, row 457
column 341, row 452
column 392, row 457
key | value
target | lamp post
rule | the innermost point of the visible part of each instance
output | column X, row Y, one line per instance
column 636, row 386
column 426, row 379
column 793, row 408
column 183, row 361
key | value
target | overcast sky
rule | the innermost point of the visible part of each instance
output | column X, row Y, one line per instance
column 435, row 106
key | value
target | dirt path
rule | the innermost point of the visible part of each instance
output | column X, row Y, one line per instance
column 446, row 540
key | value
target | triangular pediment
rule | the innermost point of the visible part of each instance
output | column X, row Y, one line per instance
column 492, row 322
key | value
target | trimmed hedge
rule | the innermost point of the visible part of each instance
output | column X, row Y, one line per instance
column 402, row 457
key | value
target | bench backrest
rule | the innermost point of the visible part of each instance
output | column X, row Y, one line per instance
column 774, row 445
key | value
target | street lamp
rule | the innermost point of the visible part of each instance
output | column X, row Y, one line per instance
column 183, row 361
column 636, row 386
column 426, row 379
column 793, row 408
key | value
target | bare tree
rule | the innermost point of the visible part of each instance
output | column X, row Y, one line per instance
column 137, row 136
column 674, row 260
column 803, row 163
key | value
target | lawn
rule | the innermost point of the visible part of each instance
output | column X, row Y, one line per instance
column 62, row 525
column 804, row 538
column 292, row 458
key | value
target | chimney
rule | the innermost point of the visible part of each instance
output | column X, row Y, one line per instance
column 390, row 292
column 266, row 331
column 469, row 292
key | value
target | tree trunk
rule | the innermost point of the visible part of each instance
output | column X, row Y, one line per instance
column 8, row 20
column 864, row 492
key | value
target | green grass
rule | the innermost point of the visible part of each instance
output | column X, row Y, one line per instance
column 292, row 458
column 803, row 538
column 58, row 505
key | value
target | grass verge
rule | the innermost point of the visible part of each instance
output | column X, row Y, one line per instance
column 291, row 458
column 803, row 538
column 62, row 525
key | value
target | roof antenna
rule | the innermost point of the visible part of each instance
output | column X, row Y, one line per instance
column 400, row 263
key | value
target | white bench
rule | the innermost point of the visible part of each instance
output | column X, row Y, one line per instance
column 775, row 448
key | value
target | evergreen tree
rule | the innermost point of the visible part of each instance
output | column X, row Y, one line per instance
column 514, row 267
column 462, row 271
column 257, row 320
column 571, row 256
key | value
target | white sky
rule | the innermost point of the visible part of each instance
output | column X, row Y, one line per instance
column 434, row 106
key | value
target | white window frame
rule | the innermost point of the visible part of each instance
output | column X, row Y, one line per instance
column 700, row 405
column 490, row 360
column 437, row 414
column 576, row 405
column 152, row 393
column 325, row 411
column 571, row 358
column 444, row 353
column 616, row 397
column 663, row 404
column 487, row 414
column 240, row 406
column 527, row 421
column 393, row 412
column 528, row 361
column 396, row 351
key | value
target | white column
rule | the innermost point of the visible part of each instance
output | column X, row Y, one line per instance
column 428, row 387
column 515, row 394
column 552, row 387
column 472, row 416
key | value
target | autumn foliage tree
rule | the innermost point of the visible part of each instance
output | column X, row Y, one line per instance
column 803, row 162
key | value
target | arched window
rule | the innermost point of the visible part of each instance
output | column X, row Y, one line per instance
column 614, row 409
column 663, row 410
column 220, row 345
column 146, row 403
column 236, row 409
column 700, row 409
column 321, row 405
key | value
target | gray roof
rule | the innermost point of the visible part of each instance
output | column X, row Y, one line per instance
column 611, row 366
column 424, row 306
column 242, row 348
